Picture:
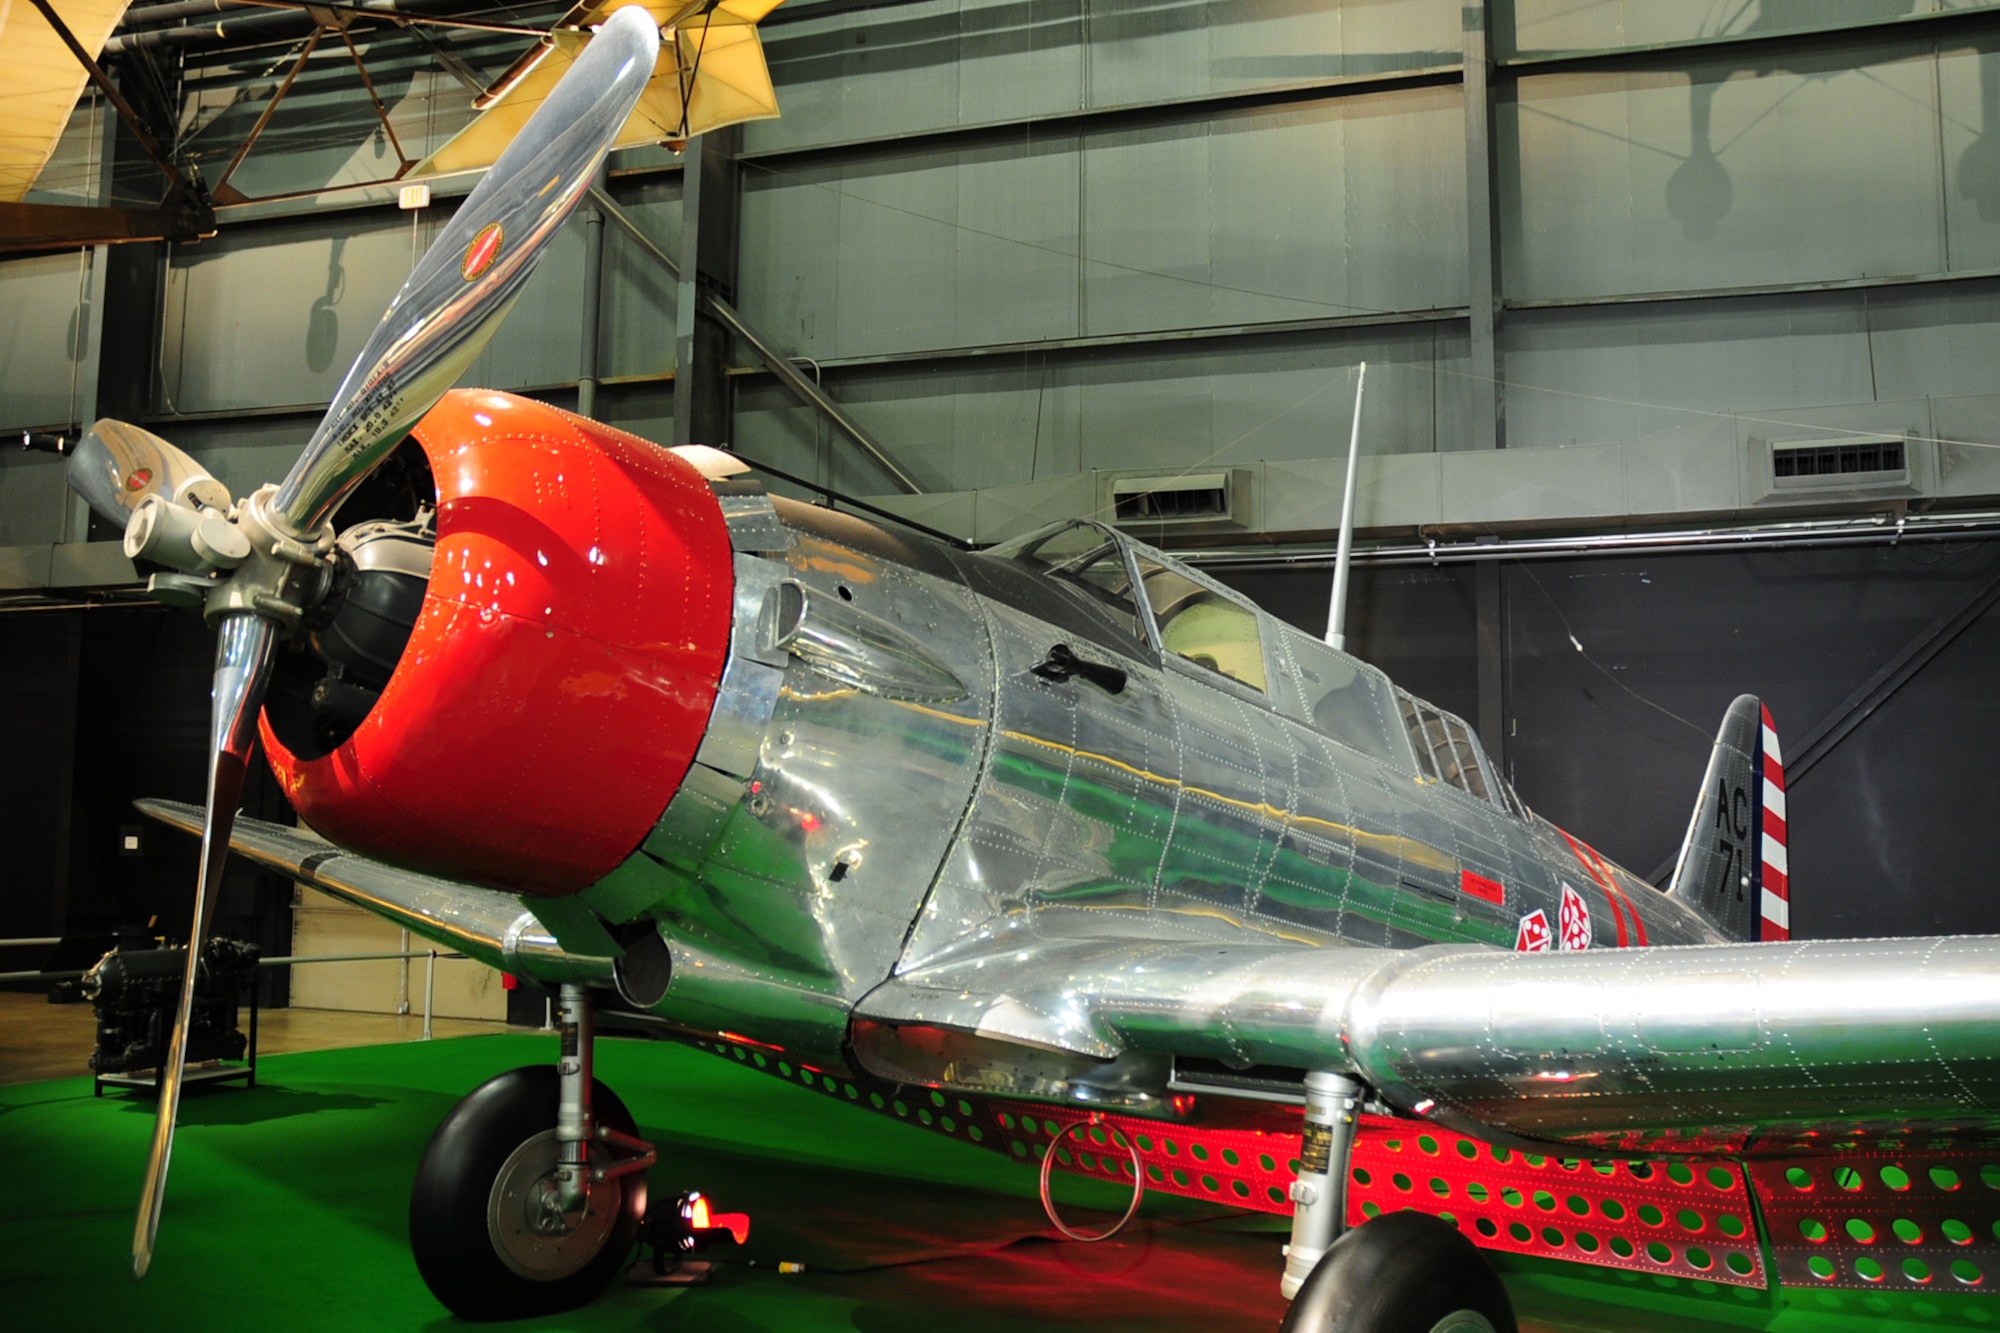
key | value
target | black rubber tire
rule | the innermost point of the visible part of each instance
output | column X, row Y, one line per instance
column 455, row 1181
column 1401, row 1273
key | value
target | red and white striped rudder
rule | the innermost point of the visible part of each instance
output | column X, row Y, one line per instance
column 1774, row 914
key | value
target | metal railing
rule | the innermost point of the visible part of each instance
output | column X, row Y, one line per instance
column 430, row 968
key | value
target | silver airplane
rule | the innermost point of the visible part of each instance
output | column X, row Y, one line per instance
column 1060, row 847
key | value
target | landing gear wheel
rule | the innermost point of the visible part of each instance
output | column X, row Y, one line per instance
column 1402, row 1273
column 486, row 1229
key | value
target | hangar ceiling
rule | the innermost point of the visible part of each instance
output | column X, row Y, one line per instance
column 1602, row 259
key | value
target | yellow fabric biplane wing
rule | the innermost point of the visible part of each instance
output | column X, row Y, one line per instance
column 40, row 81
column 710, row 74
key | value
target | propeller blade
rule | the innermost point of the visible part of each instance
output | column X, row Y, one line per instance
column 117, row 465
column 443, row 316
column 242, row 665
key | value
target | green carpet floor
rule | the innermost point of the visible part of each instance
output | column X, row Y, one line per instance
column 287, row 1210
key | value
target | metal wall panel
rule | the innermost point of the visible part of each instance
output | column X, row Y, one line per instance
column 1259, row 398
column 1968, row 451
column 1787, row 365
column 43, row 339
column 914, row 250
column 1722, row 177
column 1527, row 27
column 1969, row 97
column 1200, row 48
column 637, row 333
column 1011, row 418
column 274, row 315
column 1602, row 374
column 1329, row 209
column 33, row 499
column 1934, row 342
column 871, row 72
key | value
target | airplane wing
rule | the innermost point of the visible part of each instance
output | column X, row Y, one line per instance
column 493, row 927
column 1740, row 1048
column 710, row 75
column 40, row 81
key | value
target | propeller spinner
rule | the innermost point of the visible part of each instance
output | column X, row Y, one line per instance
column 258, row 565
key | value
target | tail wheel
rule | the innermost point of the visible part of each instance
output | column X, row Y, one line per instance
column 486, row 1226
column 1402, row 1273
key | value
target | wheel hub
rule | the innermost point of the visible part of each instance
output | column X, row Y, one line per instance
column 531, row 1231
column 1463, row 1321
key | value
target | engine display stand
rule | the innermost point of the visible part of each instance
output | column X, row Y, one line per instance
column 217, row 1071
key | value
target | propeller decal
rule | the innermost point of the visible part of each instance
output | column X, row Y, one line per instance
column 479, row 255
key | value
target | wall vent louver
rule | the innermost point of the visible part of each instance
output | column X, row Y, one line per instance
column 1871, row 459
column 1192, row 501
column 1851, row 467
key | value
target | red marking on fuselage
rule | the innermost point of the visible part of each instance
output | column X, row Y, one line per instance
column 1481, row 887
column 1610, row 878
column 1600, row 872
column 1532, row 934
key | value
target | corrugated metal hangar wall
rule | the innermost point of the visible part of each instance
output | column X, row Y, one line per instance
column 1600, row 259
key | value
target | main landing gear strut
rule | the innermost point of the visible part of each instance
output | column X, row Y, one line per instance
column 1400, row 1273
column 531, row 1192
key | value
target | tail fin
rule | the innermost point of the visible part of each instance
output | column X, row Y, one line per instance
column 1733, row 867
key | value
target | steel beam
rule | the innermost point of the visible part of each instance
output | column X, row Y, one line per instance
column 588, row 356
column 1755, row 48
column 774, row 361
column 1486, row 410
column 25, row 227
column 1489, row 597
column 1128, row 114
column 708, row 266
column 1879, row 688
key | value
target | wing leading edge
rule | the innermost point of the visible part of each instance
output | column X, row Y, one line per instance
column 1711, row 1048
column 494, row 927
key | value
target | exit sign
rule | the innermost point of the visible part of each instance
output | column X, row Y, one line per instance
column 413, row 196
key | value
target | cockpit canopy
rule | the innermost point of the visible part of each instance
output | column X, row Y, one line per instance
column 1192, row 623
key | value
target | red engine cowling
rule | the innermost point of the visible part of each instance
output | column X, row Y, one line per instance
column 563, row 665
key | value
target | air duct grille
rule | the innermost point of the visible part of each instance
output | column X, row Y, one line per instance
column 1869, row 458
column 1189, row 501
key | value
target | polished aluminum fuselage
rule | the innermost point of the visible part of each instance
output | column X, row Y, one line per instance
column 903, row 849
